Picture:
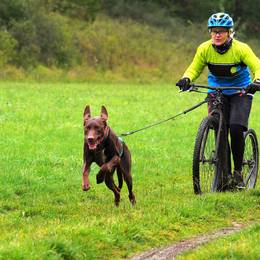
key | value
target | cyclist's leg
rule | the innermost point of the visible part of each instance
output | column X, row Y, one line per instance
column 240, row 107
column 237, row 145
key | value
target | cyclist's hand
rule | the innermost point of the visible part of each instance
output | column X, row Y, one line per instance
column 253, row 87
column 183, row 84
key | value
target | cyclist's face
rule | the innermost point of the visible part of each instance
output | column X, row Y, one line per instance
column 219, row 35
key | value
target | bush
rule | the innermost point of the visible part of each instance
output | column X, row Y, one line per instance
column 7, row 48
column 27, row 49
column 12, row 72
column 43, row 73
column 54, row 38
column 80, row 9
column 133, row 50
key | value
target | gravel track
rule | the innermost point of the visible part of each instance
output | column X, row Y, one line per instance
column 171, row 251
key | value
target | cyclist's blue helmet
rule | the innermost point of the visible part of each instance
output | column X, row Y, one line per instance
column 220, row 20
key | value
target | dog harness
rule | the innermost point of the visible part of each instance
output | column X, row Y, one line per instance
column 121, row 141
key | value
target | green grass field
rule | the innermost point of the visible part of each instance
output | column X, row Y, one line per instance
column 45, row 215
column 242, row 245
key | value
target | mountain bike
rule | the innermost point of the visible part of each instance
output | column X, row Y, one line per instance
column 211, row 156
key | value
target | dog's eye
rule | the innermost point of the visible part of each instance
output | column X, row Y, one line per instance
column 97, row 128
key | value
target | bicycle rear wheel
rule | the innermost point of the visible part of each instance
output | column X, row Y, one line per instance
column 250, row 159
column 206, row 166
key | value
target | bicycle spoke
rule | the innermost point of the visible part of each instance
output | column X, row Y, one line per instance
column 250, row 160
column 204, row 158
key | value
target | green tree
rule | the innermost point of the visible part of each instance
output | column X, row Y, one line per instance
column 82, row 9
column 12, row 10
column 247, row 15
column 40, row 36
column 7, row 47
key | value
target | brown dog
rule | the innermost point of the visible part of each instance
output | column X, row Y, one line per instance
column 102, row 146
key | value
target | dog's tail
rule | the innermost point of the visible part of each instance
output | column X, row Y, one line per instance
column 120, row 179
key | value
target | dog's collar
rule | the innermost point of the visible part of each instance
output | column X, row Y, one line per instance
column 106, row 133
column 121, row 141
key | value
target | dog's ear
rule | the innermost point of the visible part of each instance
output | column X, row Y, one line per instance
column 87, row 113
column 104, row 113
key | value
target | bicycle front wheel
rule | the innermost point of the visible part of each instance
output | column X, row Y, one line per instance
column 206, row 167
column 250, row 159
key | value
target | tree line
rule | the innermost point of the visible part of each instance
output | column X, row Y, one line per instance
column 246, row 14
column 48, row 32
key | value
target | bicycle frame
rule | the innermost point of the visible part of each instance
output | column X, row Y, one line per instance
column 221, row 155
column 219, row 115
column 222, row 145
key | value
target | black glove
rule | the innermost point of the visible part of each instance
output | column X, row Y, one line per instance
column 183, row 84
column 253, row 87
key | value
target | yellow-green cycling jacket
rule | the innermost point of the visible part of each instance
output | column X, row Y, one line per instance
column 228, row 69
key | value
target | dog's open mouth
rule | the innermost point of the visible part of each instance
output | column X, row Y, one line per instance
column 92, row 145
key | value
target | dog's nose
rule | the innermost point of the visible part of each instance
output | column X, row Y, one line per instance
column 91, row 140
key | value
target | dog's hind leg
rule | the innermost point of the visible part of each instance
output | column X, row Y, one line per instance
column 120, row 178
column 111, row 185
column 130, row 190
column 129, row 182
column 125, row 168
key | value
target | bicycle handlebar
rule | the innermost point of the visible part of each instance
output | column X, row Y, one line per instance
column 194, row 86
column 242, row 88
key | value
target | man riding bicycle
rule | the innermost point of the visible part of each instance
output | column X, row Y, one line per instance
column 229, row 62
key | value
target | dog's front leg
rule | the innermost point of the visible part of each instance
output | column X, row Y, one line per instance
column 107, row 168
column 85, row 179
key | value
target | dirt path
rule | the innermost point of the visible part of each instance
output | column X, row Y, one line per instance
column 171, row 251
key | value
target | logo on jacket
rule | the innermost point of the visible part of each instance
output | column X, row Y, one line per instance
column 233, row 70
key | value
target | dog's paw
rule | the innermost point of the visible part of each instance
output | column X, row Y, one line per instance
column 100, row 178
column 132, row 199
column 85, row 188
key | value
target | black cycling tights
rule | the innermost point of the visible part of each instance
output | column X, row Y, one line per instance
column 237, row 145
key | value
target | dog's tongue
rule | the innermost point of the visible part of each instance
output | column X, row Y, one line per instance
column 92, row 146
